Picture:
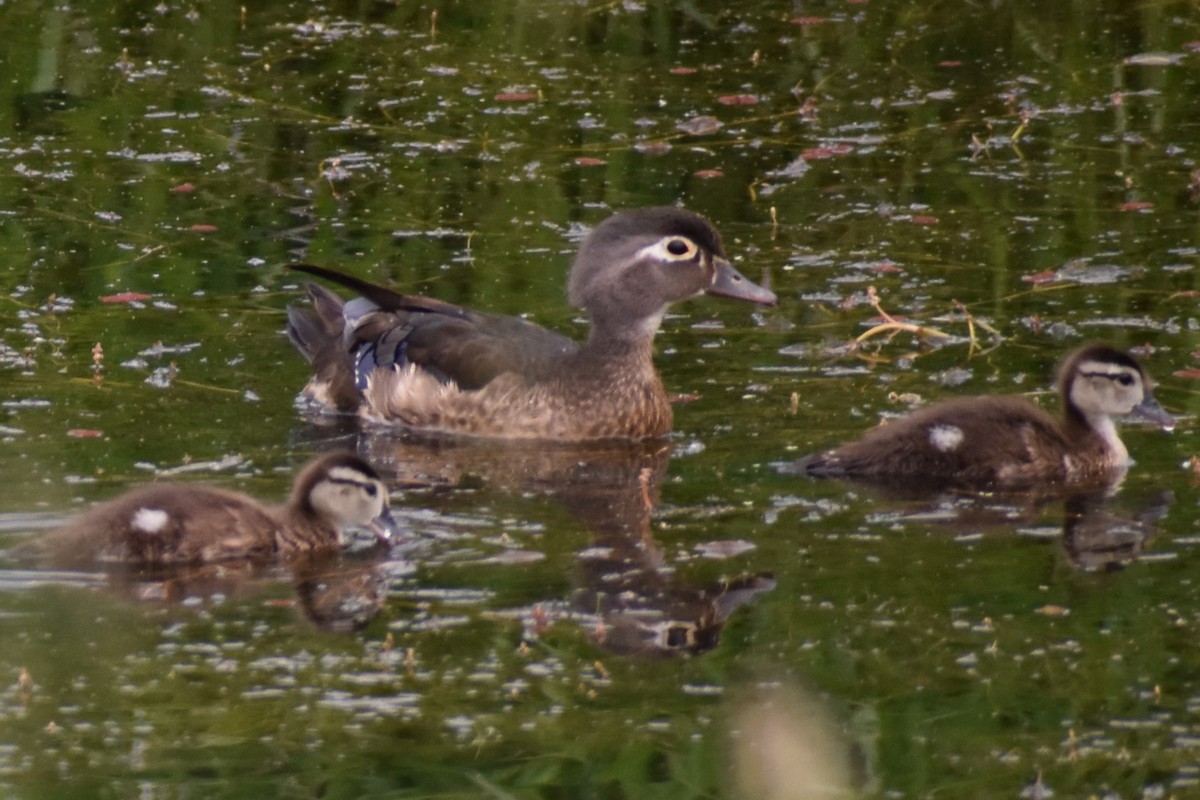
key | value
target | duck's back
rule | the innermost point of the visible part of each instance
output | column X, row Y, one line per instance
column 164, row 523
column 349, row 343
column 470, row 350
column 435, row 367
column 975, row 441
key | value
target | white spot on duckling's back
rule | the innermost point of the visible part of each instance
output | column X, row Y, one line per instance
column 149, row 520
column 945, row 438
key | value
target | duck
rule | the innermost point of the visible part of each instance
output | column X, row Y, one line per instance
column 167, row 523
column 430, row 366
column 1006, row 442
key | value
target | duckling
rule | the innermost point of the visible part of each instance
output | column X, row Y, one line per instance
column 428, row 365
column 175, row 523
column 1007, row 442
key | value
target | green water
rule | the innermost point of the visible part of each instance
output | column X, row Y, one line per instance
column 1026, row 172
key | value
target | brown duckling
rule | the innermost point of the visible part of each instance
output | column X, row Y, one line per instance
column 427, row 365
column 177, row 523
column 1007, row 442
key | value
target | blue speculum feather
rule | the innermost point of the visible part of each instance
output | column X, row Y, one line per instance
column 368, row 358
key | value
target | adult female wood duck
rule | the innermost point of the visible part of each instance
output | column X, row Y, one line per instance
column 177, row 523
column 431, row 366
column 1007, row 442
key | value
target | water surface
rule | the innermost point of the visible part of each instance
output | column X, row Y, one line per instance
column 1020, row 178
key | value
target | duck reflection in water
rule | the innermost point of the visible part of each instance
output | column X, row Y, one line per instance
column 627, row 596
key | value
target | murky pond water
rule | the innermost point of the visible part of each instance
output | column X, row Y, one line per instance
column 623, row 622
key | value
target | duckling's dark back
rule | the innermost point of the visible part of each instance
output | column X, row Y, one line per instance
column 970, row 441
column 164, row 523
column 1007, row 442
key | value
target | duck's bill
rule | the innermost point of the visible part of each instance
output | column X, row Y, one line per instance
column 1150, row 410
column 728, row 282
column 384, row 527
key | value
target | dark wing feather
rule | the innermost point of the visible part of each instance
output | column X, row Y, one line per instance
column 387, row 299
column 450, row 342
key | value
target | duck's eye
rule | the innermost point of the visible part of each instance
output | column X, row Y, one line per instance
column 371, row 490
column 1125, row 379
column 679, row 247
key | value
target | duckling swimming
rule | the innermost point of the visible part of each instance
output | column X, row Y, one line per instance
column 1002, row 442
column 176, row 523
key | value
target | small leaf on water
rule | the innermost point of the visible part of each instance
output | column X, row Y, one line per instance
column 825, row 151
column 1045, row 276
column 84, row 433
column 1137, row 205
column 654, row 148
column 923, row 219
column 709, row 173
column 683, row 398
column 724, row 548
column 809, row 20
column 700, row 126
column 949, row 64
column 183, row 188
column 1154, row 59
column 589, row 161
column 125, row 297
column 737, row 100
column 1052, row 610
column 518, row 557
column 201, row 227
column 1192, row 373
column 515, row 97
column 795, row 169
column 683, row 70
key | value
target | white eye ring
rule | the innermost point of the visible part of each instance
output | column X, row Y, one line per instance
column 677, row 248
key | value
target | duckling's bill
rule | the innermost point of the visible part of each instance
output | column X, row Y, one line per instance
column 384, row 526
column 1150, row 410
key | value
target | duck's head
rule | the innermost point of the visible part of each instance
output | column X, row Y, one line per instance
column 1101, row 381
column 344, row 491
column 635, row 264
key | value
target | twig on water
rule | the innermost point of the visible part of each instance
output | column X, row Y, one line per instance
column 893, row 326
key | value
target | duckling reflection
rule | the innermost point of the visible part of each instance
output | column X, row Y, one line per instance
column 626, row 595
column 1097, row 539
column 333, row 593
column 1099, row 530
column 343, row 595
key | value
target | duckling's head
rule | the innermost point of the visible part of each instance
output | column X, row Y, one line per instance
column 635, row 264
column 1101, row 381
column 344, row 491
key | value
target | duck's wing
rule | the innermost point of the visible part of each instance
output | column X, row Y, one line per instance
column 384, row 329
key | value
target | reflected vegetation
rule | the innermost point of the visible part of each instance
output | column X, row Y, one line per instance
column 1008, row 183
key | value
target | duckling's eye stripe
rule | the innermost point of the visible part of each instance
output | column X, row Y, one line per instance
column 348, row 477
column 1100, row 372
